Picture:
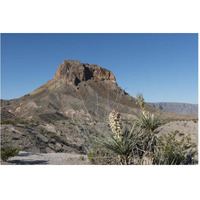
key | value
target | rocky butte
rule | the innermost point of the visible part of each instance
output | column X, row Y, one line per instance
column 76, row 88
column 75, row 72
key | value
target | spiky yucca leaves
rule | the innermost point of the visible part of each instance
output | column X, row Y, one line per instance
column 123, row 148
column 148, row 121
column 171, row 151
column 117, row 144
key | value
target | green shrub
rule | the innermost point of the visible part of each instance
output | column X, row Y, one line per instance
column 171, row 151
column 9, row 151
column 100, row 156
column 82, row 158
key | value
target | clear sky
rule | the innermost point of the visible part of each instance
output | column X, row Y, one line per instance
column 164, row 67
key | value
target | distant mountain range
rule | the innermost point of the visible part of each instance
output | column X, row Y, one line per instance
column 184, row 108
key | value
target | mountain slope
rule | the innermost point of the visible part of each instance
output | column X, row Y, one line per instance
column 75, row 87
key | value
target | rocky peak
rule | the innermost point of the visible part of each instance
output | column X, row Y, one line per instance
column 75, row 72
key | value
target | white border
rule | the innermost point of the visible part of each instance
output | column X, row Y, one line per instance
column 99, row 182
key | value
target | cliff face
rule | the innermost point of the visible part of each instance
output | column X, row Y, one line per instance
column 75, row 72
column 184, row 108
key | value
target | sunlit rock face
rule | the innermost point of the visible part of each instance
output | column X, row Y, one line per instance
column 75, row 72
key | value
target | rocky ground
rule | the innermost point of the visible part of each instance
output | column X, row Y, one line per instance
column 27, row 158
column 48, row 148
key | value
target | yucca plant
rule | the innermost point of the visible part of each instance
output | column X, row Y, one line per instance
column 119, row 143
column 148, row 121
column 123, row 147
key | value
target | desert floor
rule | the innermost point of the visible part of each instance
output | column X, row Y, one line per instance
column 28, row 158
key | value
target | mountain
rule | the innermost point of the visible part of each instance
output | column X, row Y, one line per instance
column 76, row 89
column 184, row 108
column 58, row 116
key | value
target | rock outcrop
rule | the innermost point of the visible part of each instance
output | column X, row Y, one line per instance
column 75, row 72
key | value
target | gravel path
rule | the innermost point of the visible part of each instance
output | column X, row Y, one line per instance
column 27, row 158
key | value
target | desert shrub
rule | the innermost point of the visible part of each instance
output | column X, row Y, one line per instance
column 9, row 151
column 82, row 158
column 171, row 151
column 146, row 143
column 100, row 156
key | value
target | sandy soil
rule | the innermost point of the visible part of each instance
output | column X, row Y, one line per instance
column 184, row 127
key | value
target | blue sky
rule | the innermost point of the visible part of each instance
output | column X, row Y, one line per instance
column 164, row 67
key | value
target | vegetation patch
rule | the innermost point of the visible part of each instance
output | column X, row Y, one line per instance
column 9, row 151
column 19, row 121
column 140, row 145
